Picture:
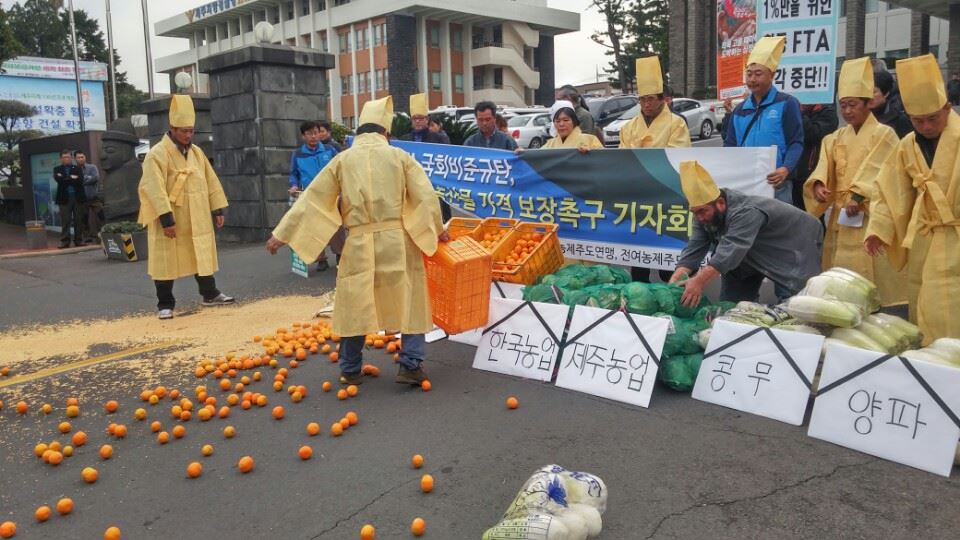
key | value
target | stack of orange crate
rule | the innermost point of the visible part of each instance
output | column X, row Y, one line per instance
column 458, row 278
column 458, row 227
column 531, row 250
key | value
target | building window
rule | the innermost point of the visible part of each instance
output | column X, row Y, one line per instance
column 435, row 80
column 346, row 85
column 274, row 16
column 306, row 40
column 361, row 41
column 304, row 7
column 234, row 27
column 456, row 39
column 321, row 5
column 386, row 79
column 324, row 46
column 340, row 2
column 478, row 78
column 498, row 77
column 379, row 35
column 289, row 11
column 458, row 82
column 344, row 42
column 435, row 37
column 871, row 6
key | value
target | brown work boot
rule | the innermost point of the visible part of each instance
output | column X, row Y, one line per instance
column 351, row 378
column 413, row 377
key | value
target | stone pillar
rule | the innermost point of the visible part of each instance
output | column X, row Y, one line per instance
column 953, row 41
column 856, row 28
column 696, row 36
column 401, row 47
column 158, row 121
column 919, row 33
column 677, row 42
column 259, row 95
column 545, row 62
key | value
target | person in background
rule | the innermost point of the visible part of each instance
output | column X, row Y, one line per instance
column 181, row 201
column 501, row 123
column 953, row 89
column 70, row 199
column 885, row 104
column 420, row 122
column 569, row 93
column 390, row 208
column 819, row 120
column 914, row 215
column 326, row 136
column 768, row 117
column 568, row 132
column 488, row 136
column 436, row 126
column 305, row 164
column 844, row 183
column 93, row 189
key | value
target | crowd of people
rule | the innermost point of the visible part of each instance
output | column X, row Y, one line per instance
column 876, row 196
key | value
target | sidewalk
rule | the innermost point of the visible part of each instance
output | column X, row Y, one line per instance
column 13, row 243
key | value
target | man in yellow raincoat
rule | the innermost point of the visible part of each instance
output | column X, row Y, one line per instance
column 844, row 182
column 392, row 216
column 656, row 126
column 915, row 216
column 181, row 200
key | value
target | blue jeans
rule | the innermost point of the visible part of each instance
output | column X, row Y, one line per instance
column 784, row 192
column 351, row 352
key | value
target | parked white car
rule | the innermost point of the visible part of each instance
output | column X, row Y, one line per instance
column 700, row 119
column 526, row 129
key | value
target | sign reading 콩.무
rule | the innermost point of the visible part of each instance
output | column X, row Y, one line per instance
column 903, row 410
column 523, row 338
column 759, row 370
column 612, row 354
column 807, row 68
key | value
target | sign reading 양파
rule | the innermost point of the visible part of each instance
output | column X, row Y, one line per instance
column 807, row 69
column 759, row 370
column 523, row 338
column 612, row 354
column 888, row 406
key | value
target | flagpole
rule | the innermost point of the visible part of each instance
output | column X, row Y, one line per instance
column 76, row 68
column 113, row 71
column 146, row 38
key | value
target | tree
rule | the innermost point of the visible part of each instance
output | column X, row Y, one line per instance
column 635, row 28
column 615, row 14
column 10, row 113
column 9, row 46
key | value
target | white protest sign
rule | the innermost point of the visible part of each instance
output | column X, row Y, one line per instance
column 522, row 338
column 497, row 290
column 612, row 354
column 903, row 410
column 759, row 370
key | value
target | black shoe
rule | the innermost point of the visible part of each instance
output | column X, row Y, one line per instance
column 63, row 245
column 351, row 378
column 322, row 266
column 219, row 300
column 413, row 377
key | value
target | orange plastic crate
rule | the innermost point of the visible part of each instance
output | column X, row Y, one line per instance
column 493, row 226
column 458, row 227
column 545, row 258
column 458, row 278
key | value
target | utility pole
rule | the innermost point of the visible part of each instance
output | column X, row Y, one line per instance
column 146, row 38
column 113, row 70
column 76, row 68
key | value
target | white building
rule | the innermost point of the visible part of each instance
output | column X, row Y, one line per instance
column 887, row 32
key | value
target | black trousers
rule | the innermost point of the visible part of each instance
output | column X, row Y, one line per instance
column 743, row 283
column 165, row 299
column 645, row 275
column 72, row 213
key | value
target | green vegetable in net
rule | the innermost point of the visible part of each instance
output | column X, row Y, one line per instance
column 541, row 293
column 680, row 372
column 639, row 299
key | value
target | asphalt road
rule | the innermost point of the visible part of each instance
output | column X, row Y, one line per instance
column 680, row 469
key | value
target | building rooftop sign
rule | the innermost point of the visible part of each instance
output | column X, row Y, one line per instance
column 53, row 68
column 212, row 8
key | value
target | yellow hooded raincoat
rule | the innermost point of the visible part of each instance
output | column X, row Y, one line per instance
column 667, row 130
column 916, row 216
column 392, row 215
column 574, row 140
column 850, row 163
column 188, row 187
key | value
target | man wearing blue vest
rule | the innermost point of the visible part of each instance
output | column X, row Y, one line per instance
column 305, row 164
column 769, row 117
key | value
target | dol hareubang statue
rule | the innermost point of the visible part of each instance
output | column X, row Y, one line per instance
column 121, row 169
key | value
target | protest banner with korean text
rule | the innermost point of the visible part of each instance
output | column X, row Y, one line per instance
column 736, row 35
column 522, row 339
column 612, row 206
column 808, row 68
column 759, row 370
column 903, row 410
column 612, row 354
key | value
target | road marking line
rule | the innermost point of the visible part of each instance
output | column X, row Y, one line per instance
column 87, row 362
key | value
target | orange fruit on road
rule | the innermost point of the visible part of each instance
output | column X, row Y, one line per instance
column 512, row 403
column 8, row 529
column 145, row 395
column 22, row 407
column 233, row 400
column 352, row 418
column 73, row 411
column 278, row 412
column 55, row 458
column 179, row 431
column 418, row 527
column 344, row 423
column 426, row 386
column 156, row 426
column 46, row 408
column 326, row 386
column 426, row 483
column 120, row 431
column 224, row 412
column 163, row 437
column 341, row 394
column 79, row 438
column 72, row 401
column 204, row 414
column 67, row 451
column 111, row 406
column 313, row 428
column 55, row 446
column 229, row 432
column 65, row 506
column 112, row 533
column 39, row 449
column 185, row 416
column 4, row 371
column 43, row 513
column 106, row 451
column 140, row 414
column 89, row 475
column 417, row 461
column 154, row 399
column 207, row 450
column 334, row 356
column 352, row 390
column 296, row 397
column 367, row 532
column 245, row 464
column 64, row 427
column 336, row 429
column 305, row 452
column 194, row 469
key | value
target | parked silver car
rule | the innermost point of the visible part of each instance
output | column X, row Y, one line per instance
column 701, row 120
column 526, row 129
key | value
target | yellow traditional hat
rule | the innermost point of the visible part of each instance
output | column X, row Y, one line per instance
column 378, row 111
column 767, row 52
column 856, row 79
column 921, row 85
column 697, row 184
column 649, row 76
column 418, row 105
column 182, row 114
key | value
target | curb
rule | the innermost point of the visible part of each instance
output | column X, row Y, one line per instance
column 49, row 252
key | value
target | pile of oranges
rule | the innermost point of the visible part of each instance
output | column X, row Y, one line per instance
column 521, row 250
column 492, row 238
